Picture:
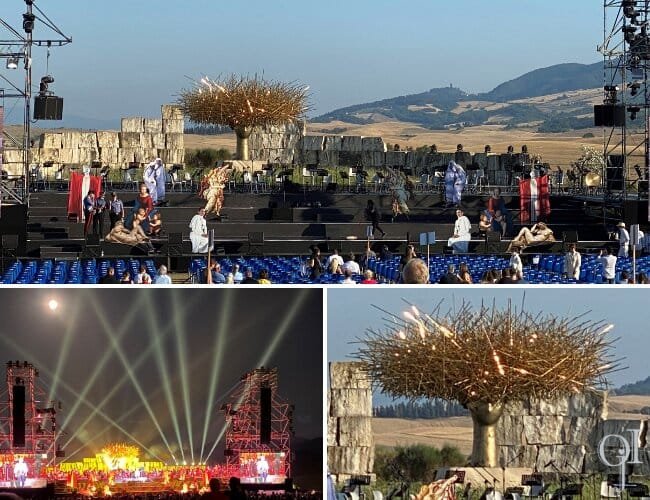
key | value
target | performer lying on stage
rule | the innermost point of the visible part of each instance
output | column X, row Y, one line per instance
column 538, row 234
column 133, row 237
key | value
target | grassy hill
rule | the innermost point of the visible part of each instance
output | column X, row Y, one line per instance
column 514, row 103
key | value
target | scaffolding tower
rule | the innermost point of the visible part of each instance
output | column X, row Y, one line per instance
column 39, row 417
column 626, row 54
column 244, row 420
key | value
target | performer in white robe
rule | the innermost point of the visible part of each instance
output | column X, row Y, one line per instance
column 20, row 473
column 462, row 234
column 199, row 233
column 161, row 179
column 85, row 187
column 623, row 240
column 262, row 468
column 149, row 178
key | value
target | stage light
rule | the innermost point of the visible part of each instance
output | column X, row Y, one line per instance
column 45, row 82
column 28, row 22
column 12, row 63
column 629, row 33
column 633, row 110
column 634, row 88
column 53, row 305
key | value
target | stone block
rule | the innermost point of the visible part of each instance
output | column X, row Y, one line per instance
column 510, row 430
column 133, row 124
column 493, row 162
column 174, row 141
column 567, row 458
column 396, row 158
column 69, row 155
column 171, row 112
column 350, row 459
column 171, row 156
column 333, row 142
column 108, row 156
column 588, row 404
column 146, row 155
column 126, row 155
column 12, row 156
column 479, row 160
column 374, row 144
column 349, row 159
column 582, row 430
column 372, row 159
column 355, row 431
column 87, row 155
column 129, row 139
column 312, row 142
column 351, row 403
column 158, row 141
column 332, row 431
column 328, row 158
column 70, row 140
column 108, row 139
column 173, row 126
column 88, row 140
column 351, row 143
column 153, row 125
column 308, row 157
column 348, row 375
column 517, row 456
column 543, row 430
column 51, row 140
column 50, row 154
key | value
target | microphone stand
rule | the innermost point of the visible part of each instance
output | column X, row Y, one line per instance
column 504, row 467
column 560, row 475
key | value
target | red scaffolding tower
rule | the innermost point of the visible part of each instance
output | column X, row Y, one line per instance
column 39, row 416
column 245, row 434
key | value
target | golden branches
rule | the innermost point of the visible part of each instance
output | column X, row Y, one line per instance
column 240, row 101
column 487, row 355
column 121, row 450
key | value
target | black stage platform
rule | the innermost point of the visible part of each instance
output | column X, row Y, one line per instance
column 289, row 223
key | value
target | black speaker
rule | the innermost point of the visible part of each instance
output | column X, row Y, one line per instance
column 175, row 239
column 614, row 172
column 265, row 415
column 609, row 115
column 631, row 211
column 92, row 240
column 18, row 416
column 48, row 107
column 570, row 236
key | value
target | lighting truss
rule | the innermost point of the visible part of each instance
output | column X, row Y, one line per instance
column 242, row 416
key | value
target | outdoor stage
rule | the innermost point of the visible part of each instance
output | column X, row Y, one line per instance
column 288, row 223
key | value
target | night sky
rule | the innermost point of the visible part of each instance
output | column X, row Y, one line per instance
column 94, row 335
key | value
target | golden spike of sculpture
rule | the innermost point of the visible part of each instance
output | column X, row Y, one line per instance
column 485, row 358
column 243, row 103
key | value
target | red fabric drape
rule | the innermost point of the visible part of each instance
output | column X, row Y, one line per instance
column 534, row 199
column 74, row 193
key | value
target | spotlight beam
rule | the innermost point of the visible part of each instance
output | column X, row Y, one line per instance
column 106, row 327
column 289, row 318
column 65, row 350
column 43, row 369
column 217, row 355
column 124, row 328
column 160, row 358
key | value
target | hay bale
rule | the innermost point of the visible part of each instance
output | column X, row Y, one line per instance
column 174, row 141
column 129, row 139
column 51, row 140
column 153, row 125
column 108, row 139
column 173, row 126
column 171, row 112
column 134, row 124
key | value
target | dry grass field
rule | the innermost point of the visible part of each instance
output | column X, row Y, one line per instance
column 556, row 149
column 457, row 431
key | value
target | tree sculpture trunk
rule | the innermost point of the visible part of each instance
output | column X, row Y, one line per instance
column 243, row 133
column 484, row 447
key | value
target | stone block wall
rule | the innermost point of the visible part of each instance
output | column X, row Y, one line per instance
column 139, row 140
column 350, row 443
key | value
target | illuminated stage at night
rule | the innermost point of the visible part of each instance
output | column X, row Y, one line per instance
column 131, row 417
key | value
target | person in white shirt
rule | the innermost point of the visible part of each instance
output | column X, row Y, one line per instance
column 623, row 240
column 199, row 233
column 351, row 265
column 162, row 278
column 334, row 257
column 608, row 262
column 462, row 233
column 515, row 261
column 20, row 473
column 572, row 262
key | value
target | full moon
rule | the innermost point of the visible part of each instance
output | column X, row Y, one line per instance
column 53, row 305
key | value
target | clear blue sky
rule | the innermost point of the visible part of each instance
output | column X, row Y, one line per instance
column 350, row 313
column 130, row 56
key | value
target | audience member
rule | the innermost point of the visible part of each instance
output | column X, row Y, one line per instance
column 368, row 278
column 415, row 271
column 109, row 278
column 248, row 277
column 162, row 278
column 451, row 278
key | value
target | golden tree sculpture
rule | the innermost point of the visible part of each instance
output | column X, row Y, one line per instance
column 483, row 358
column 243, row 103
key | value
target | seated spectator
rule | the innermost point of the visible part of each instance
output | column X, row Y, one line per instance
column 385, row 253
column 214, row 269
column 162, row 278
column 451, row 278
column 624, row 278
column 415, row 271
column 314, row 265
column 334, row 257
column 264, row 278
column 143, row 277
column 126, row 278
column 506, row 277
column 248, row 277
column 464, row 274
column 238, row 277
column 348, row 278
column 230, row 279
column 368, row 278
column 642, row 278
column 335, row 267
column 109, row 278
column 352, row 265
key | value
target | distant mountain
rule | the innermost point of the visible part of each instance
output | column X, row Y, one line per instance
column 639, row 388
column 569, row 91
column 75, row 122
